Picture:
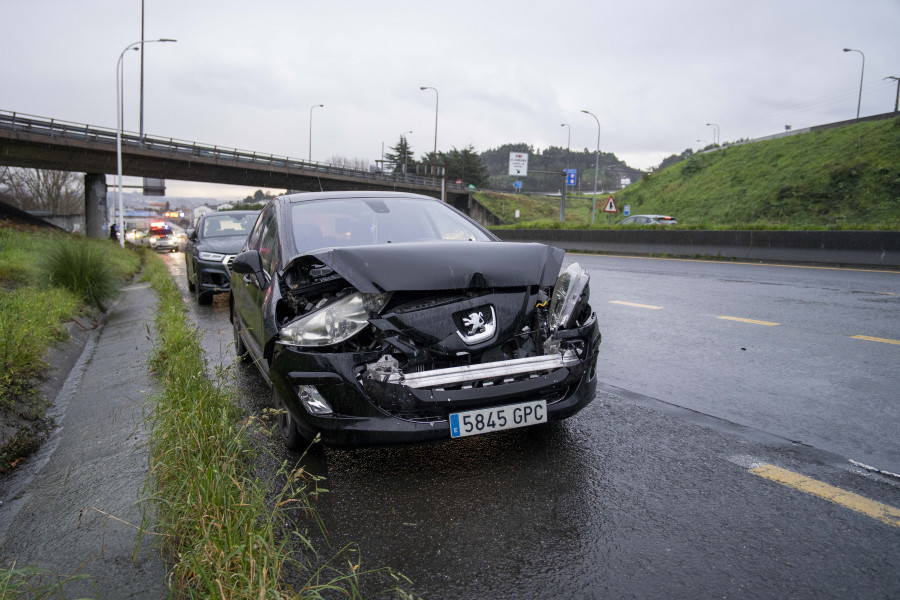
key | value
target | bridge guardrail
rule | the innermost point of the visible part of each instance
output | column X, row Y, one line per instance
column 79, row 131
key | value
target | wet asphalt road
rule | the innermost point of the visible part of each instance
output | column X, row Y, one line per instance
column 649, row 491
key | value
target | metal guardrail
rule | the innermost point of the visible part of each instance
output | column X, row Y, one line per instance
column 31, row 124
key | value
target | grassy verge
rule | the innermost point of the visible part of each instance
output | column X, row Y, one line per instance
column 224, row 528
column 46, row 280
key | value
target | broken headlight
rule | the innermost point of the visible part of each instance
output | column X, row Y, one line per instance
column 566, row 295
column 335, row 322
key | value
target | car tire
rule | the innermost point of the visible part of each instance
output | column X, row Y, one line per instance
column 203, row 298
column 286, row 424
column 239, row 348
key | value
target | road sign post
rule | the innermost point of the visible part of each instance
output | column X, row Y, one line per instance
column 518, row 164
column 609, row 209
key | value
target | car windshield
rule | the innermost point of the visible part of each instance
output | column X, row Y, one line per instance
column 223, row 225
column 368, row 221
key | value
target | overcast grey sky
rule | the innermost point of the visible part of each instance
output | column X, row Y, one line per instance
column 245, row 74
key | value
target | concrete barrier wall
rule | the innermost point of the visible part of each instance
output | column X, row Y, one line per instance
column 873, row 248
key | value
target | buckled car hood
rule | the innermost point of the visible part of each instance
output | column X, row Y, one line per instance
column 439, row 265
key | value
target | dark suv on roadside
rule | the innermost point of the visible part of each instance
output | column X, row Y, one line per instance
column 210, row 248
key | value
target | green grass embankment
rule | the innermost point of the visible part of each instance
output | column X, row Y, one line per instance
column 842, row 178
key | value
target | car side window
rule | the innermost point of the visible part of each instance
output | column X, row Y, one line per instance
column 268, row 242
column 256, row 233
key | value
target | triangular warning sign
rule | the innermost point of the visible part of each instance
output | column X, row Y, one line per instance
column 610, row 206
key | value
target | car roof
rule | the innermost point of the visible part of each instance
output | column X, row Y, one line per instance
column 655, row 216
column 355, row 194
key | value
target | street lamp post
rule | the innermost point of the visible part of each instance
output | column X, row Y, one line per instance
column 436, row 98
column 310, row 127
column 132, row 46
column 861, row 74
column 716, row 137
column 562, row 202
column 596, row 164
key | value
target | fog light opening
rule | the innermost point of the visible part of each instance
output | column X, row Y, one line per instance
column 313, row 401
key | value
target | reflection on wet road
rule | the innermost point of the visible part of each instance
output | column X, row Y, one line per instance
column 629, row 498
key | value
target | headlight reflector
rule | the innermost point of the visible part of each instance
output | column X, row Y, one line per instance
column 211, row 256
column 335, row 322
column 313, row 401
column 566, row 294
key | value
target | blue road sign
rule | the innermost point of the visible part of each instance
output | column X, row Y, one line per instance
column 571, row 176
column 517, row 184
column 627, row 209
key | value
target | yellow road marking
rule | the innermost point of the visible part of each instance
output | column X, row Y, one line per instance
column 875, row 339
column 634, row 304
column 870, row 508
column 730, row 262
column 769, row 323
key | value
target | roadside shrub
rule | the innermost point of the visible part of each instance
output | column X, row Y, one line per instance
column 83, row 267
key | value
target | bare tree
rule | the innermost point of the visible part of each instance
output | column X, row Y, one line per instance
column 59, row 192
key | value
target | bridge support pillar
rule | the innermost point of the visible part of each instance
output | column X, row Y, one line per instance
column 96, row 216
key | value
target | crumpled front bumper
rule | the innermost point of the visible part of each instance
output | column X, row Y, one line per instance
column 369, row 411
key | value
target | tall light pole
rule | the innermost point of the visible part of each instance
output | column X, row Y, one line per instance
column 596, row 164
column 132, row 46
column 405, row 147
column 436, row 98
column 310, row 127
column 562, row 200
column 897, row 99
column 716, row 137
column 141, row 120
column 861, row 75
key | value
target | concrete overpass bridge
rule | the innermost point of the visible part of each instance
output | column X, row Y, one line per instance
column 41, row 143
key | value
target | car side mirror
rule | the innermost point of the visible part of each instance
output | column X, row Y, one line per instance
column 192, row 234
column 247, row 263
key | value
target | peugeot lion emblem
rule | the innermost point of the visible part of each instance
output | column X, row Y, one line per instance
column 476, row 325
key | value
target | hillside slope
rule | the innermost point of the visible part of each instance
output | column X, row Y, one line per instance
column 845, row 178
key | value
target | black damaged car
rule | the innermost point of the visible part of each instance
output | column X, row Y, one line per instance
column 390, row 318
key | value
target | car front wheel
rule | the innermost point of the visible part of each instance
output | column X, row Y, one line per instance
column 202, row 297
column 239, row 348
column 286, row 425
